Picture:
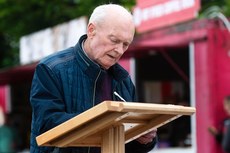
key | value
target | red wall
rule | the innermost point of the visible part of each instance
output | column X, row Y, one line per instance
column 3, row 97
column 212, row 83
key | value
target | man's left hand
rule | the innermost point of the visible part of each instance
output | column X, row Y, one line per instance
column 147, row 138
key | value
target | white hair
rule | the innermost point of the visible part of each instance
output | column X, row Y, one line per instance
column 100, row 12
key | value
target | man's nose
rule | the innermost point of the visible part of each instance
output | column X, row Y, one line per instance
column 120, row 48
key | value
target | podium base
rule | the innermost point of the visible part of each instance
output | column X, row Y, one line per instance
column 113, row 140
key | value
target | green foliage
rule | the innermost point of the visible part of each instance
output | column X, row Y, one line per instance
column 226, row 8
column 209, row 3
column 222, row 6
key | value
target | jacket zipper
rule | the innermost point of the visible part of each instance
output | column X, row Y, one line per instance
column 94, row 87
column 94, row 93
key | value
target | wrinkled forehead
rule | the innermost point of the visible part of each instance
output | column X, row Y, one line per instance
column 121, row 30
column 118, row 23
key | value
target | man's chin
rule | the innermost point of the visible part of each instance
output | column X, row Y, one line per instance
column 106, row 66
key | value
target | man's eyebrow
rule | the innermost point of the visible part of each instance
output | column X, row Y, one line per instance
column 111, row 35
column 114, row 37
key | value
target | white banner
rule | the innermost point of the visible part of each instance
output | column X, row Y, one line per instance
column 37, row 45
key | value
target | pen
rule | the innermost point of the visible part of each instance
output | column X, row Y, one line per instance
column 116, row 94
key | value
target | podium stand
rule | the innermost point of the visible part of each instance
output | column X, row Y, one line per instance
column 111, row 124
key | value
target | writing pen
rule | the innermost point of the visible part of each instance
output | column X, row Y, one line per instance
column 116, row 94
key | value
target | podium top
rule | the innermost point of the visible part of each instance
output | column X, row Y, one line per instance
column 86, row 129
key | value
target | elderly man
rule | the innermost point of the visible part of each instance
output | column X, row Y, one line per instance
column 71, row 81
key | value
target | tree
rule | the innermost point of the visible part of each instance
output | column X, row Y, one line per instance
column 222, row 5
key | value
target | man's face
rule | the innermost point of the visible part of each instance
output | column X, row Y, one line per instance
column 109, row 41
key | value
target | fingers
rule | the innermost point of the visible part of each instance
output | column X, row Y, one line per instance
column 147, row 138
column 144, row 140
column 213, row 130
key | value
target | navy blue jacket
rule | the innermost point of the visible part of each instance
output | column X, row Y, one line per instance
column 64, row 85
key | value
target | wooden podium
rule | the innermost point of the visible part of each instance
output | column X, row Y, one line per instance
column 111, row 124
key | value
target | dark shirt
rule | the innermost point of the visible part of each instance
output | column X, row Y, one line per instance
column 104, row 87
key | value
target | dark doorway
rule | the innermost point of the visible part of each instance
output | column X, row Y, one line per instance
column 163, row 77
column 20, row 114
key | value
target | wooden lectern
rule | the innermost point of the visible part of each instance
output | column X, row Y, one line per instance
column 111, row 124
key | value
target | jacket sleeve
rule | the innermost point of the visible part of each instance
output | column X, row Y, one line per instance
column 136, row 147
column 47, row 100
column 226, row 137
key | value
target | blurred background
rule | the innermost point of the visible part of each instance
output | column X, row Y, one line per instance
column 180, row 55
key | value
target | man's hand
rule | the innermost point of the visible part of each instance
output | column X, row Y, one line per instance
column 147, row 138
column 213, row 130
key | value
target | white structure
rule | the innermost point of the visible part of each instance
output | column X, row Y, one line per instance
column 37, row 45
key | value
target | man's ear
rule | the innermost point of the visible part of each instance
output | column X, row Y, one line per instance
column 91, row 30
